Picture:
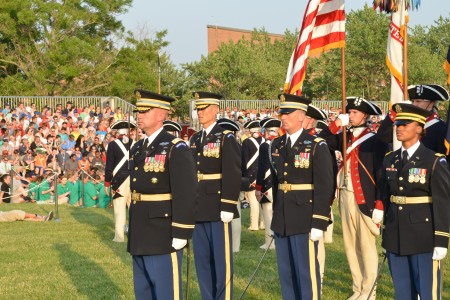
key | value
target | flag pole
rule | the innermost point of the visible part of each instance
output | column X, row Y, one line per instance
column 344, row 128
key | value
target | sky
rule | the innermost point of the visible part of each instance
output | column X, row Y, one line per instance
column 186, row 20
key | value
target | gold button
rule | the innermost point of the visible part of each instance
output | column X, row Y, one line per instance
column 218, row 192
column 198, row 163
column 134, row 179
column 285, row 173
column 426, row 220
column 285, row 164
column 401, row 188
column 310, row 201
column 166, row 215
column 136, row 168
column 134, row 191
column 198, row 154
column 400, row 178
column 400, row 208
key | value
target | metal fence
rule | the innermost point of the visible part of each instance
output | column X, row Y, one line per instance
column 78, row 101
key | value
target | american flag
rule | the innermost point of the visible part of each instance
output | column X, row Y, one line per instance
column 394, row 57
column 323, row 28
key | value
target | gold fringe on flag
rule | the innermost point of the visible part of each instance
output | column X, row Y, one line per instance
column 390, row 6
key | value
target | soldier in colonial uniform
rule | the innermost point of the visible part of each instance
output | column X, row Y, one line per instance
column 264, row 178
column 303, row 187
column 117, row 175
column 163, row 202
column 360, row 204
column 218, row 160
column 250, row 154
column 172, row 127
column 425, row 96
column 416, row 200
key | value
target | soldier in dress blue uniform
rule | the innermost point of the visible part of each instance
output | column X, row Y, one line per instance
column 425, row 96
column 303, row 187
column 264, row 178
column 163, row 202
column 250, row 155
column 360, row 204
column 172, row 127
column 117, row 175
column 236, row 224
column 417, row 206
column 218, row 160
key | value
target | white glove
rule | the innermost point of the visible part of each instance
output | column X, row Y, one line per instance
column 377, row 216
column 315, row 234
column 178, row 244
column 226, row 216
column 439, row 253
column 344, row 119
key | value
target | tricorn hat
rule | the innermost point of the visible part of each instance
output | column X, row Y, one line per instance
column 316, row 113
column 171, row 126
column 270, row 123
column 228, row 124
column 122, row 124
column 363, row 105
column 430, row 92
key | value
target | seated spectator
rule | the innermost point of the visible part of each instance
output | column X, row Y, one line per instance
column 97, row 162
column 71, row 166
column 33, row 187
column 40, row 161
column 52, row 161
column 17, row 162
column 84, row 164
column 103, row 198
column 24, row 145
column 5, row 165
column 5, row 191
column 69, row 144
column 63, row 190
column 90, row 193
column 74, row 185
column 20, row 215
column 45, row 190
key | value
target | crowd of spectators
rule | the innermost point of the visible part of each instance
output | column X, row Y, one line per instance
column 68, row 143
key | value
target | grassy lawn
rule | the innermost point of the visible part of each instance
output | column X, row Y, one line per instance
column 76, row 259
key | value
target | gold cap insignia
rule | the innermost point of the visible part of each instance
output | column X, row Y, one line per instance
column 138, row 95
column 154, row 180
column 398, row 108
column 282, row 98
column 196, row 96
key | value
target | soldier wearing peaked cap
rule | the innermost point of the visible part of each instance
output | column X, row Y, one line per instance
column 425, row 96
column 117, row 175
column 236, row 224
column 172, row 127
column 314, row 115
column 416, row 199
column 218, row 160
column 163, row 201
column 360, row 203
column 264, row 178
column 250, row 154
column 303, row 186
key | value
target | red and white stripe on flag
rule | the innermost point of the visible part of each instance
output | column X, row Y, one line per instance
column 394, row 57
column 323, row 28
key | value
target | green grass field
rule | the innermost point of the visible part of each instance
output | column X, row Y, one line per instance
column 76, row 259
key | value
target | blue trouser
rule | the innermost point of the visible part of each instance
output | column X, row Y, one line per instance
column 298, row 267
column 214, row 259
column 415, row 275
column 158, row 276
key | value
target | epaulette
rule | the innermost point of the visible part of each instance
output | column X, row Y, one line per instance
column 176, row 140
column 439, row 155
column 317, row 140
column 227, row 132
column 388, row 153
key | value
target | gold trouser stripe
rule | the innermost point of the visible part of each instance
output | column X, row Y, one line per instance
column 228, row 201
column 312, row 269
column 410, row 200
column 151, row 197
column 434, row 283
column 227, row 262
column 183, row 225
column 176, row 283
